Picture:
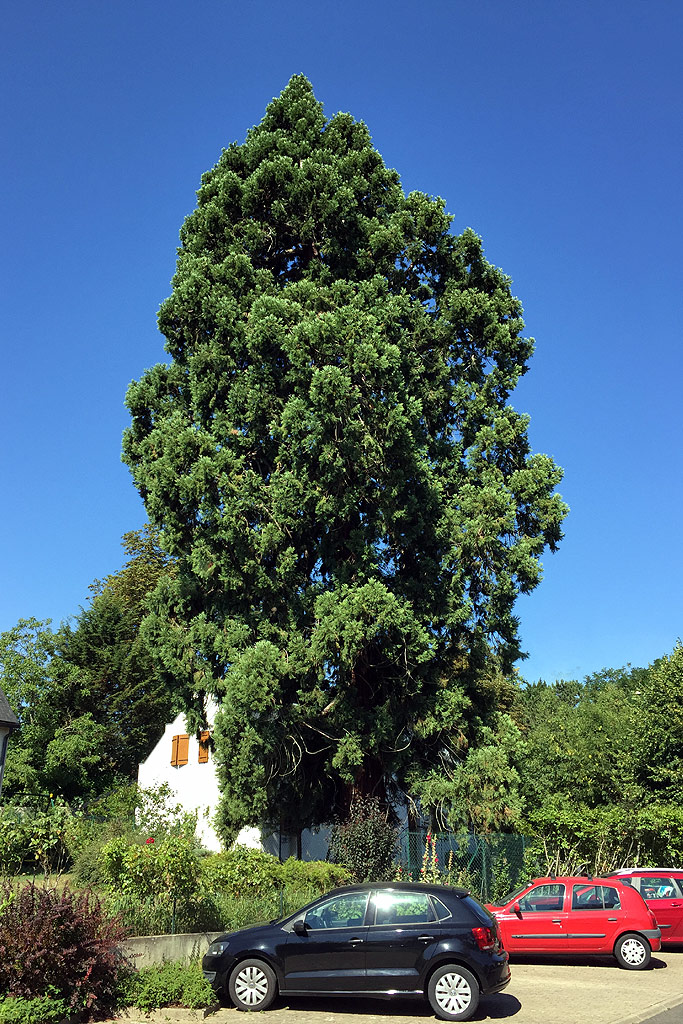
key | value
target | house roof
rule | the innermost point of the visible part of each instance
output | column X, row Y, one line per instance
column 7, row 716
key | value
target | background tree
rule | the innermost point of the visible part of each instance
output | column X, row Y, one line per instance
column 26, row 652
column 332, row 458
column 660, row 735
column 581, row 739
column 600, row 768
column 89, row 697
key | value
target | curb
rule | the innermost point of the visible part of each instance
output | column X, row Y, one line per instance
column 164, row 1015
column 652, row 1011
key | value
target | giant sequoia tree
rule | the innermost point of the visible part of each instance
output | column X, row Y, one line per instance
column 331, row 456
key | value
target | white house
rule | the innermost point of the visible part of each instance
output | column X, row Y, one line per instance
column 186, row 765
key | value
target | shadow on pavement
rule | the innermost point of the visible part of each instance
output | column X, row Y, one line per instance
column 578, row 961
column 497, row 1007
column 494, row 1007
column 364, row 1005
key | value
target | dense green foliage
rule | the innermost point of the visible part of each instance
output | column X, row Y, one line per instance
column 242, row 871
column 39, row 1010
column 89, row 698
column 163, row 881
column 332, row 457
column 318, row 876
column 168, row 984
column 34, row 839
column 600, row 767
column 167, row 869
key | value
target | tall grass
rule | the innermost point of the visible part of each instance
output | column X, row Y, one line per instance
column 209, row 912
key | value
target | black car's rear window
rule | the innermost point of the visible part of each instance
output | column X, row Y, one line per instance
column 475, row 908
column 402, row 908
column 442, row 911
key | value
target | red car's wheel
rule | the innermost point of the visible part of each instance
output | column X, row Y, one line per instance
column 632, row 952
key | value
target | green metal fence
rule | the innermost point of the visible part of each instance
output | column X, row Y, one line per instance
column 488, row 865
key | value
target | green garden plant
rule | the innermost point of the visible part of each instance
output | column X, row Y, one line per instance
column 171, row 983
column 317, row 875
column 166, row 869
column 39, row 1010
column 243, row 871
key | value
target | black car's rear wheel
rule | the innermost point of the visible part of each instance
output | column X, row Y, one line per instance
column 632, row 951
column 453, row 992
column 252, row 985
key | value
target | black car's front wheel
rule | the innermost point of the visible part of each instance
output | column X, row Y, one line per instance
column 453, row 992
column 252, row 985
column 632, row 952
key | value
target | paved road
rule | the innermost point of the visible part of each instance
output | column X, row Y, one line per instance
column 674, row 1016
column 568, row 991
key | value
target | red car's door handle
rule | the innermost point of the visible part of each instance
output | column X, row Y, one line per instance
column 556, row 920
column 677, row 904
column 425, row 938
column 354, row 942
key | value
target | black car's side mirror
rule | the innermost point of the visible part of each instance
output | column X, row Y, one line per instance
column 300, row 927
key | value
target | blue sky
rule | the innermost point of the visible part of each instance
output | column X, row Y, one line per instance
column 553, row 129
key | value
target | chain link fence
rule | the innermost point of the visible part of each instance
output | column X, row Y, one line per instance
column 488, row 865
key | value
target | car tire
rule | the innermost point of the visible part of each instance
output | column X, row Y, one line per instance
column 453, row 992
column 252, row 985
column 632, row 952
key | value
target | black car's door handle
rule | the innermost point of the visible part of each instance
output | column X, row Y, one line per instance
column 354, row 942
column 425, row 938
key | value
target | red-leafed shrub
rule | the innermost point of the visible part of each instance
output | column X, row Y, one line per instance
column 60, row 944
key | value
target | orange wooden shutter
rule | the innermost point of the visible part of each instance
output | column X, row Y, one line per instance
column 174, row 751
column 183, row 749
column 204, row 747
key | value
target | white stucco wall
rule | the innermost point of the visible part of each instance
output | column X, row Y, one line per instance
column 195, row 786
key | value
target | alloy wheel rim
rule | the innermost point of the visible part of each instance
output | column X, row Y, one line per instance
column 453, row 993
column 633, row 951
column 251, row 986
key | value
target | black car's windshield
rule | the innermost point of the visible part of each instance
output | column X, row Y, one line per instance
column 509, row 898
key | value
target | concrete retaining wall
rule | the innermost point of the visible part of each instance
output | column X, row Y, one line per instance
column 153, row 949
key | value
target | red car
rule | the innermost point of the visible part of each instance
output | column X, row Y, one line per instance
column 579, row 915
column 662, row 890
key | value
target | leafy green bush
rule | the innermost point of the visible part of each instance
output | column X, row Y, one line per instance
column 319, row 875
column 87, row 870
column 61, row 945
column 128, row 814
column 365, row 843
column 567, row 837
column 169, row 868
column 34, row 838
column 242, row 871
column 41, row 1010
column 13, row 849
column 168, row 984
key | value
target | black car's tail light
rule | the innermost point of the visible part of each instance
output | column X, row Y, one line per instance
column 486, row 938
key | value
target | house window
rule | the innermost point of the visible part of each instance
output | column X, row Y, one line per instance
column 179, row 750
column 204, row 747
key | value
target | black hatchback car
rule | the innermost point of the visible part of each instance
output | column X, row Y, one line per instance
column 389, row 939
